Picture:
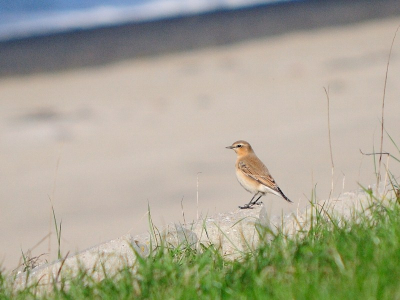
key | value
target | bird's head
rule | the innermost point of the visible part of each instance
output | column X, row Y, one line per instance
column 241, row 148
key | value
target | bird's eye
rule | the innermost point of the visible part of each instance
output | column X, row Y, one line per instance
column 239, row 146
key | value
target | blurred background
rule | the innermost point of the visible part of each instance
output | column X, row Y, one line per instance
column 110, row 107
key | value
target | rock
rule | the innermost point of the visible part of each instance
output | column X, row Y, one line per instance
column 232, row 233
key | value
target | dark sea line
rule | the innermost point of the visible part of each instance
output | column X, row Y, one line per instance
column 101, row 46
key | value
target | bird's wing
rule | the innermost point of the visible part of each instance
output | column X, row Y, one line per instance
column 262, row 176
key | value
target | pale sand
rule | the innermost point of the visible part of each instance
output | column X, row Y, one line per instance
column 138, row 132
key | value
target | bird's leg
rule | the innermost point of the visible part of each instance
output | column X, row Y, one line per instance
column 249, row 205
column 255, row 202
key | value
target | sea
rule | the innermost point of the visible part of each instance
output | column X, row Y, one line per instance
column 30, row 18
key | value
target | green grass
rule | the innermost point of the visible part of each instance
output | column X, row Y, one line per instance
column 356, row 260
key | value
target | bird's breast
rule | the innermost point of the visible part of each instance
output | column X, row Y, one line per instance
column 247, row 183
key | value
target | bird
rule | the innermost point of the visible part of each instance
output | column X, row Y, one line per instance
column 253, row 175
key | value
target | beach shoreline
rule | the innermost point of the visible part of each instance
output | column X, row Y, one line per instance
column 112, row 44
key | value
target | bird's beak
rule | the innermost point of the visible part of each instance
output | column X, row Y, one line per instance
column 229, row 147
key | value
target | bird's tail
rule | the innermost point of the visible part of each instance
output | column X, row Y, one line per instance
column 283, row 195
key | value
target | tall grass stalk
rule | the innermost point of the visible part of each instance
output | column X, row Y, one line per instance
column 383, row 107
column 58, row 228
column 330, row 140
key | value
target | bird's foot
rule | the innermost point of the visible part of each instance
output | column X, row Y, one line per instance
column 250, row 205
column 246, row 206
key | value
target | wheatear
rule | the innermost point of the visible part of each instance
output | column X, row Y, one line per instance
column 253, row 175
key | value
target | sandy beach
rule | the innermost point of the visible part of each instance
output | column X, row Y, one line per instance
column 105, row 142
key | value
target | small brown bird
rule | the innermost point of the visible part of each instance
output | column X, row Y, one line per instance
column 253, row 175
